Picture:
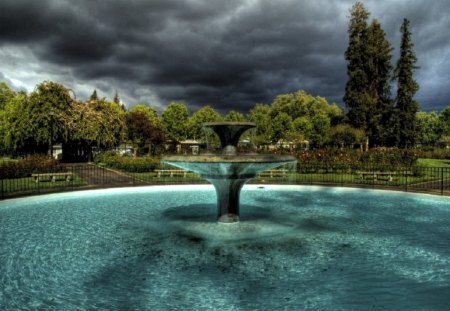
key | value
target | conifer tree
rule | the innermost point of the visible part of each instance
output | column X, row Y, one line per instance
column 117, row 98
column 356, row 90
column 94, row 95
column 367, row 93
column 378, row 69
column 405, row 106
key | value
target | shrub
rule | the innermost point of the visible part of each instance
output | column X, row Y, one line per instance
column 29, row 165
column 125, row 163
column 376, row 158
column 435, row 153
column 389, row 157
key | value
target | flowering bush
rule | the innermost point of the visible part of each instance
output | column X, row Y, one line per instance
column 376, row 157
column 125, row 163
column 29, row 165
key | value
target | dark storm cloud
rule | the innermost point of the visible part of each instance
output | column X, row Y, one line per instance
column 229, row 54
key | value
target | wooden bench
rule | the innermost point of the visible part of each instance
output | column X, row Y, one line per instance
column 376, row 175
column 272, row 173
column 67, row 176
column 171, row 173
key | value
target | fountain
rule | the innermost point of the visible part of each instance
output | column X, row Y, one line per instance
column 229, row 170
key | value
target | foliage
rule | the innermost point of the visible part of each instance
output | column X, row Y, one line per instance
column 141, row 129
column 435, row 153
column 310, row 116
column 260, row 115
column 34, row 122
column 174, row 121
column 129, row 164
column 198, row 119
column 374, row 158
column 346, row 135
column 356, row 90
column 27, row 166
column 444, row 119
column 6, row 94
column 367, row 92
column 389, row 157
column 281, row 124
column 100, row 123
column 405, row 106
column 149, row 111
column 234, row 116
column 378, row 68
column 429, row 128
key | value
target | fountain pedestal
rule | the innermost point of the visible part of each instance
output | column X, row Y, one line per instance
column 228, row 171
column 228, row 192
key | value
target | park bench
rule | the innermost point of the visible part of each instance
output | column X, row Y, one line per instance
column 171, row 173
column 272, row 173
column 67, row 176
column 377, row 175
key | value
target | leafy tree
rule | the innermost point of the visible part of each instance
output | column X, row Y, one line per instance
column 260, row 115
column 174, row 120
column 149, row 111
column 346, row 135
column 38, row 121
column 281, row 126
column 312, row 116
column 6, row 94
column 405, row 106
column 234, row 116
column 321, row 127
column 429, row 128
column 198, row 119
column 444, row 121
column 141, row 130
column 303, row 126
column 14, row 126
column 99, row 123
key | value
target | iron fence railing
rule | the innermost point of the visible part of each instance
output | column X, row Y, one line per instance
column 435, row 180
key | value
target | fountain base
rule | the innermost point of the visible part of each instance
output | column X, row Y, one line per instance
column 228, row 191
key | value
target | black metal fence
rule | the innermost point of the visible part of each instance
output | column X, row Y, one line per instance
column 88, row 176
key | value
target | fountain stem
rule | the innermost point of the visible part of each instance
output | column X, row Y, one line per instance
column 228, row 193
column 229, row 171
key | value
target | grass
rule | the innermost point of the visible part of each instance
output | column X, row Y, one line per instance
column 433, row 162
column 29, row 184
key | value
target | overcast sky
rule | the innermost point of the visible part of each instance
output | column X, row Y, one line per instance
column 230, row 54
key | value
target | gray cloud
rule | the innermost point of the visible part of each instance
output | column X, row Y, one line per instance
column 228, row 54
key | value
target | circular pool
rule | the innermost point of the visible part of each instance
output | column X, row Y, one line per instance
column 160, row 248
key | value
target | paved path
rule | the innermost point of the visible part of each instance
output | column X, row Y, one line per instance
column 98, row 176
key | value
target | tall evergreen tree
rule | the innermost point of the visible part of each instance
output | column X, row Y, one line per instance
column 356, row 90
column 94, row 95
column 367, row 93
column 405, row 106
column 116, row 98
column 378, row 69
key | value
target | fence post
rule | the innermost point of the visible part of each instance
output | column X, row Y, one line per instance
column 406, row 179
column 442, row 181
column 38, row 188
column 2, row 191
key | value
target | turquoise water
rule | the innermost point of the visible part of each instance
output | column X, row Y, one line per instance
column 160, row 248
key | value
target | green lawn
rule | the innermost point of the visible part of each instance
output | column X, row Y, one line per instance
column 29, row 184
column 433, row 162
